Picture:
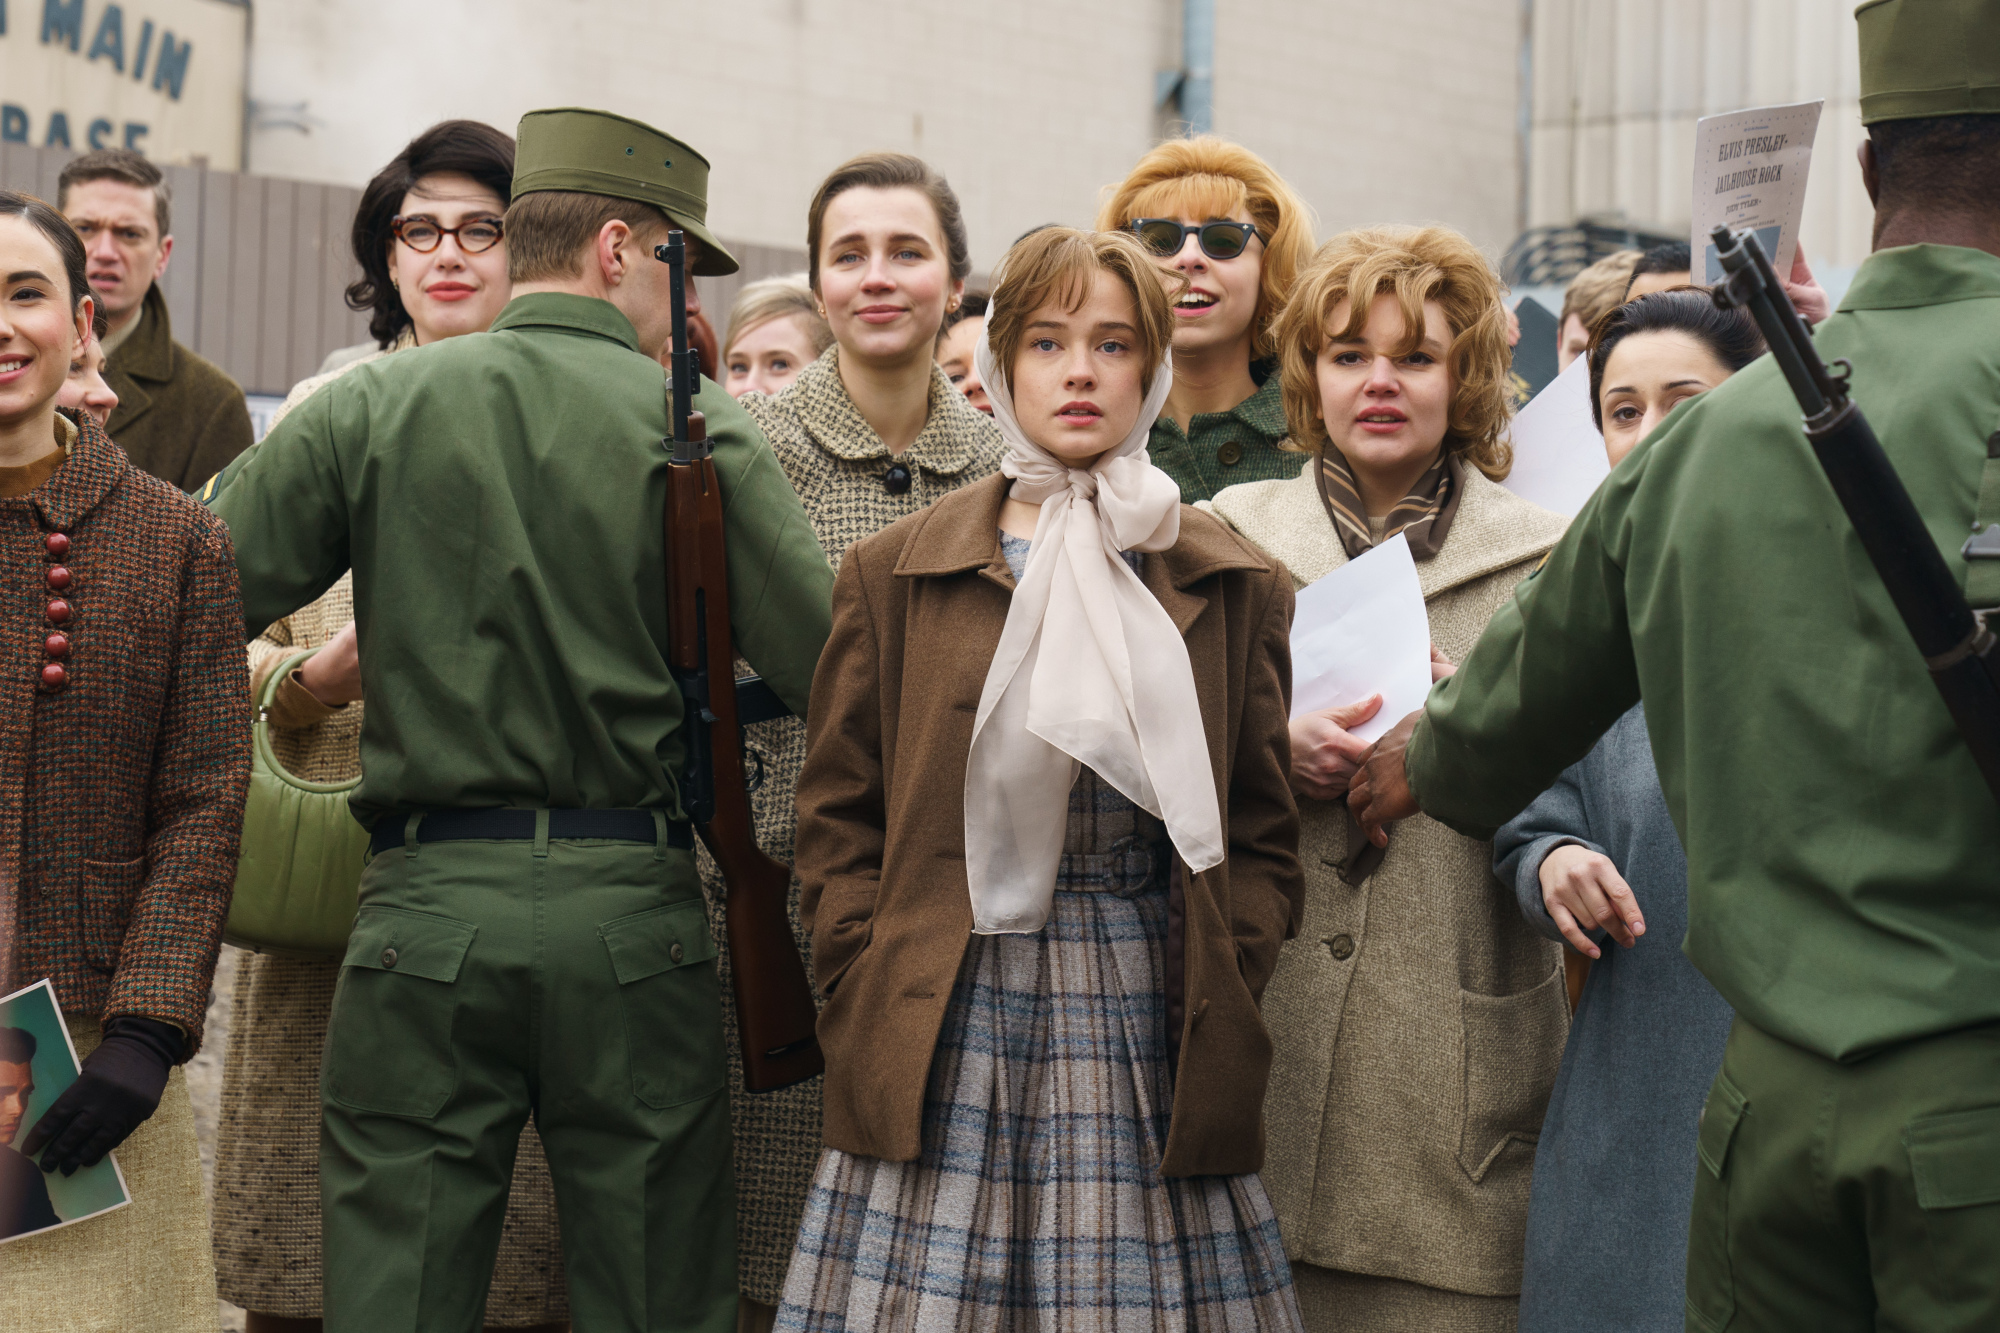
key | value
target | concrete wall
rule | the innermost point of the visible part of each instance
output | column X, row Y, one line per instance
column 1029, row 107
column 1619, row 84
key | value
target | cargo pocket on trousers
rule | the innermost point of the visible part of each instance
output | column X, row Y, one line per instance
column 1955, row 1163
column 1711, row 1283
column 1513, row 1047
column 110, row 889
column 389, row 1042
column 664, row 960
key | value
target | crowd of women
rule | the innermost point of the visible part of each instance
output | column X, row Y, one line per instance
column 1329, row 1084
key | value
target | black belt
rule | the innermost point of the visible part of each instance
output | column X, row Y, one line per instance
column 519, row 825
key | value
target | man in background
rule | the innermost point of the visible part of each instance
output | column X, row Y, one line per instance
column 1590, row 296
column 24, row 1196
column 178, row 417
column 1662, row 267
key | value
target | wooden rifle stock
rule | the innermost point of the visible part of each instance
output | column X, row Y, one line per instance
column 775, row 1014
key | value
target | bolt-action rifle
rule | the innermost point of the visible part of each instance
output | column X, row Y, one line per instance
column 1958, row 645
column 775, row 1015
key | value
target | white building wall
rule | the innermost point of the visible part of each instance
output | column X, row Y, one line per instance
column 1030, row 107
column 1619, row 85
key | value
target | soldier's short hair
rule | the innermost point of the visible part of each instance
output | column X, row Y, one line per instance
column 17, row 1046
column 119, row 164
column 549, row 232
column 1052, row 264
column 1948, row 163
column 1414, row 265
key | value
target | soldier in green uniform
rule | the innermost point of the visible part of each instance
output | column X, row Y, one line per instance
column 1843, row 852
column 531, row 936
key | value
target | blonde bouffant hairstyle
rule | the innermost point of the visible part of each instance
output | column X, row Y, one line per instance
column 1415, row 265
column 1207, row 177
column 1057, row 264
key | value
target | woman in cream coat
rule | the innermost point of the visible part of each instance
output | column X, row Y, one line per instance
column 1418, row 1022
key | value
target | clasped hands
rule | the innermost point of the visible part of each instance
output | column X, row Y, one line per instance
column 1330, row 762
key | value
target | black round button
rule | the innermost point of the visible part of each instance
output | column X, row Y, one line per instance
column 388, row 958
column 897, row 479
column 1230, row 454
column 676, row 953
column 1341, row 947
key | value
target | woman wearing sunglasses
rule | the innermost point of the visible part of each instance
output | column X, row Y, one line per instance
column 430, row 241
column 1216, row 217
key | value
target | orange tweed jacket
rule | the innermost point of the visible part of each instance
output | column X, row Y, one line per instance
column 121, row 786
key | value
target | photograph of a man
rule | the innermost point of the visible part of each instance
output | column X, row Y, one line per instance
column 24, row 1196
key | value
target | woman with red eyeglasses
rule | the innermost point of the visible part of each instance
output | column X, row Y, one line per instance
column 1217, row 217
column 430, row 240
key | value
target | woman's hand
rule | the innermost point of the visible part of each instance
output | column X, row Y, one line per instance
column 1324, row 753
column 1583, row 891
column 1807, row 295
column 333, row 674
column 1441, row 666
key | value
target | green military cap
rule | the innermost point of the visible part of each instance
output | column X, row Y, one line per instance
column 596, row 152
column 1922, row 58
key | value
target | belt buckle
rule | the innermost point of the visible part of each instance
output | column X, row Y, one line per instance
column 1120, row 879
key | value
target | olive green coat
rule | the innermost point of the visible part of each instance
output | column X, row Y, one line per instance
column 179, row 416
column 1418, row 1021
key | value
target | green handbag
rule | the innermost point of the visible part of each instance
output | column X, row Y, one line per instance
column 298, row 876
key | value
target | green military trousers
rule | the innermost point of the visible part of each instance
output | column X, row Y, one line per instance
column 1833, row 1197
column 489, row 980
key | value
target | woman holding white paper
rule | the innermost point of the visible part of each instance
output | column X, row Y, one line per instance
column 1417, row 1020
column 1594, row 859
column 1048, row 853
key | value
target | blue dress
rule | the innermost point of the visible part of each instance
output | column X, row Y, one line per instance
column 1615, row 1168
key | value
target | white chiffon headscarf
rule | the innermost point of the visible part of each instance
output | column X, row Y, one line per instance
column 1090, row 670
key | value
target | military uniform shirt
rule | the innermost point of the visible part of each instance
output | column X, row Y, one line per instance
column 1221, row 449
column 1843, row 852
column 500, row 498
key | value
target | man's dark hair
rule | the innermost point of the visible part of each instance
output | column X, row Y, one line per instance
column 1945, row 164
column 119, row 164
column 17, row 1046
column 1667, row 257
column 462, row 147
column 56, row 227
column 1730, row 335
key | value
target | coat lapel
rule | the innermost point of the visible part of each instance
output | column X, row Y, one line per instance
column 147, row 357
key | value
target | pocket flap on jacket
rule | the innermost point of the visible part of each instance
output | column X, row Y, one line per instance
column 649, row 943
column 1719, row 1119
column 1956, row 1158
column 395, row 939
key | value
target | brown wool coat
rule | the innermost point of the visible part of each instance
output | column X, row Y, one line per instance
column 1419, row 1021
column 179, row 416
column 918, row 610
column 121, row 793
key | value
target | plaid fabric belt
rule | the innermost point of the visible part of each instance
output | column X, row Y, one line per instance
column 519, row 825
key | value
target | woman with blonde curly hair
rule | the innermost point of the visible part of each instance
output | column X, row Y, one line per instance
column 1230, row 237
column 1417, row 1029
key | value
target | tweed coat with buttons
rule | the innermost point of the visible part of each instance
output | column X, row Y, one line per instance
column 836, row 462
column 1418, row 1020
column 121, row 790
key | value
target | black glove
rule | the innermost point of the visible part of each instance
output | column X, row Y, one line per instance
column 119, row 1087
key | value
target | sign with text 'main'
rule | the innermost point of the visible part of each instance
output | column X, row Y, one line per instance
column 163, row 77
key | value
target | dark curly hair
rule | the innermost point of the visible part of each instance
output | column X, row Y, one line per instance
column 464, row 147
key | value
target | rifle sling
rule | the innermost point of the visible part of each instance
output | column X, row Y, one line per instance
column 1982, row 549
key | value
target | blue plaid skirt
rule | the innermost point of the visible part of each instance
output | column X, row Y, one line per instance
column 1037, row 1201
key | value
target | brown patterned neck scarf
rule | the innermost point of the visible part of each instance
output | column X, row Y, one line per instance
column 1423, row 516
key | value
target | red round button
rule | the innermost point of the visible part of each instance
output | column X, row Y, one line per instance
column 57, row 543
column 58, row 611
column 59, row 577
column 53, row 675
column 56, row 645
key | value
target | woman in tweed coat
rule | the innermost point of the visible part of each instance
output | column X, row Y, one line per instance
column 1417, row 1019
column 127, row 754
column 870, row 432
column 267, row 1242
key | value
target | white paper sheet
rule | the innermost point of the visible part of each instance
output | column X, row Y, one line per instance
column 1559, row 455
column 1363, row 630
column 1750, row 172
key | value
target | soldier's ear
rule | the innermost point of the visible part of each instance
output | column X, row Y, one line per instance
column 1871, row 178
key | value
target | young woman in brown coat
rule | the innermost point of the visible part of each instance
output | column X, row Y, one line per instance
column 1048, row 855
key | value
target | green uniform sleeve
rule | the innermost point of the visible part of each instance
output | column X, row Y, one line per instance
column 1553, row 671
column 780, row 585
column 287, row 512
